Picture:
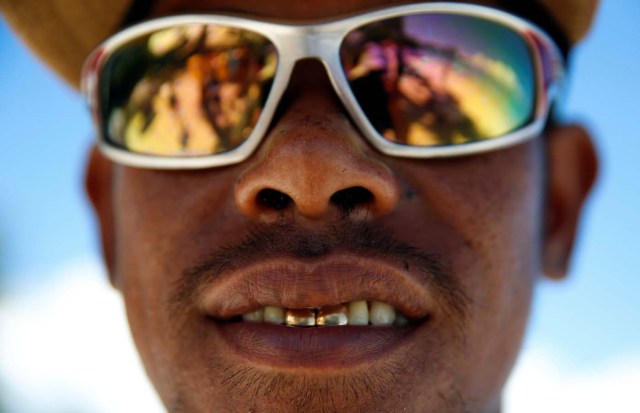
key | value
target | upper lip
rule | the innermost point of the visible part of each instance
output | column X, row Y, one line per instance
column 295, row 283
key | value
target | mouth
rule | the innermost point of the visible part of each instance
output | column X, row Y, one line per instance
column 335, row 313
column 355, row 313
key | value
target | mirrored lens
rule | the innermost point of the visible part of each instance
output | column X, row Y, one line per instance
column 189, row 90
column 440, row 79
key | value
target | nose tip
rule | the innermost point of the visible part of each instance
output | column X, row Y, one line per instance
column 314, row 162
column 315, row 169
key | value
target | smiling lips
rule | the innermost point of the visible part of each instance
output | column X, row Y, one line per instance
column 347, row 310
column 339, row 291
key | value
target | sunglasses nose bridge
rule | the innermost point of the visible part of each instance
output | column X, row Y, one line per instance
column 319, row 43
column 294, row 44
column 308, row 42
column 321, row 40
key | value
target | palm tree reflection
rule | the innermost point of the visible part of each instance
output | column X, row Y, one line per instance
column 200, row 92
column 418, row 93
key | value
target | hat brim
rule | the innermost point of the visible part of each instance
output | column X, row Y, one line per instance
column 63, row 32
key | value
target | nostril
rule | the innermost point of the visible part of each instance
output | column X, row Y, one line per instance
column 273, row 199
column 351, row 198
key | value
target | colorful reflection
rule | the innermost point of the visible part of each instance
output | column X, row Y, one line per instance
column 196, row 90
column 437, row 79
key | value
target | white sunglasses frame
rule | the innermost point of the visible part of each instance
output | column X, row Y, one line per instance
column 322, row 41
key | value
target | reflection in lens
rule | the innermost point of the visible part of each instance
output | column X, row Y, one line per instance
column 438, row 79
column 190, row 90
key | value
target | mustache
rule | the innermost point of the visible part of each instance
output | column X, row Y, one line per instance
column 289, row 240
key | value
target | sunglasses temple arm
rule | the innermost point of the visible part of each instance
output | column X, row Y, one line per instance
column 553, row 68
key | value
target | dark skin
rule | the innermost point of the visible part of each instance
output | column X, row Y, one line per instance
column 495, row 220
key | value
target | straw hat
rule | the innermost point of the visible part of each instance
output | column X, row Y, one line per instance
column 63, row 32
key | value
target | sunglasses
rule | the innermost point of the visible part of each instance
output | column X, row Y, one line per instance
column 419, row 81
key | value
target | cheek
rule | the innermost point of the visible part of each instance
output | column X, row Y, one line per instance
column 159, row 219
column 503, row 229
column 485, row 210
column 487, row 214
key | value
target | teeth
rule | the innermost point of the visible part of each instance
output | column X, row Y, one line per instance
column 273, row 315
column 357, row 313
column 305, row 317
column 382, row 314
column 334, row 315
column 255, row 317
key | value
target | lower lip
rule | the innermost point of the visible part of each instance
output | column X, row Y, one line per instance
column 320, row 347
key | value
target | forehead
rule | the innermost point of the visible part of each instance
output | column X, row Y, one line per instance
column 284, row 9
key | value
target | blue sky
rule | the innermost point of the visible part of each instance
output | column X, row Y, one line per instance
column 586, row 320
column 594, row 312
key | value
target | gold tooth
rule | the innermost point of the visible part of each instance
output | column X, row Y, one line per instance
column 305, row 317
column 333, row 315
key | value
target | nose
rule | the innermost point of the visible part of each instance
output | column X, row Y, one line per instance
column 314, row 162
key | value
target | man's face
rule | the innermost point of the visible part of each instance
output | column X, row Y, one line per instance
column 317, row 218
